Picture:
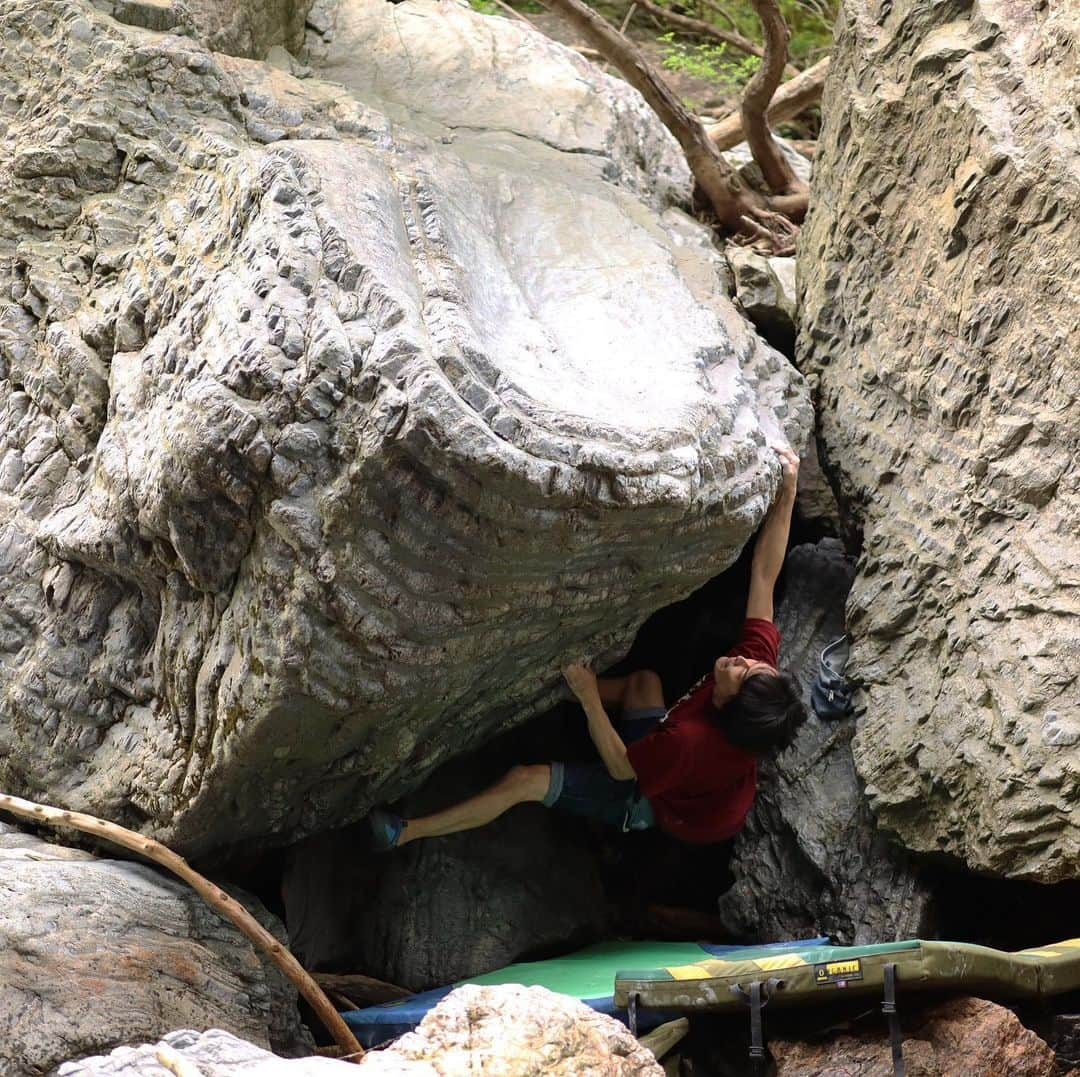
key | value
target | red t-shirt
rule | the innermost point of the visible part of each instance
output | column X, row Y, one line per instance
column 700, row 785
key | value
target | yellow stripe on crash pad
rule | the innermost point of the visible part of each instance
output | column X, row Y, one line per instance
column 1038, row 953
column 784, row 961
column 689, row 972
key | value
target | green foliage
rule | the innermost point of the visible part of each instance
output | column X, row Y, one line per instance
column 727, row 67
column 485, row 7
column 810, row 23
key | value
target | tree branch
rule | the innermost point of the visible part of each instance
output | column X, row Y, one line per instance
column 721, row 185
column 214, row 896
column 789, row 100
column 707, row 29
column 778, row 173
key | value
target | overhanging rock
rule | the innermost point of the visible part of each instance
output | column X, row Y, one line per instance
column 326, row 439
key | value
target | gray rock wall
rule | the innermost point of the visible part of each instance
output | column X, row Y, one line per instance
column 810, row 859
column 328, row 432
column 96, row 953
column 939, row 309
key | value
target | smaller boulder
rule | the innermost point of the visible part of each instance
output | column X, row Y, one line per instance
column 964, row 1035
column 504, row 1031
column 511, row 1031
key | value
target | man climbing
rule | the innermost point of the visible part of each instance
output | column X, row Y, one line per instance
column 692, row 770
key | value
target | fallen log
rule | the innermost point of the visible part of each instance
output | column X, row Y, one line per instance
column 358, row 986
column 662, row 1038
column 214, row 896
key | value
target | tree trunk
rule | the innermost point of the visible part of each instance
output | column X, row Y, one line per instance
column 213, row 895
column 729, row 196
column 793, row 96
column 778, row 174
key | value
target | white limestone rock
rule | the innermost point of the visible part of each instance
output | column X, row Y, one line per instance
column 328, row 434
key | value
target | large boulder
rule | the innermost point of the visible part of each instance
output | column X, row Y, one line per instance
column 328, row 433
column 939, row 311
column 964, row 1035
column 810, row 859
column 505, row 1031
column 95, row 953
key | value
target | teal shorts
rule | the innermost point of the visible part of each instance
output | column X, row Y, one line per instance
column 588, row 790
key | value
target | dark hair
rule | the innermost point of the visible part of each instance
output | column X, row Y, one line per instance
column 765, row 715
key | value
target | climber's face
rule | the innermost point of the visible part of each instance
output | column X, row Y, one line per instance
column 729, row 674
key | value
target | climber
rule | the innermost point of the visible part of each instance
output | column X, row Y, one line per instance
column 690, row 769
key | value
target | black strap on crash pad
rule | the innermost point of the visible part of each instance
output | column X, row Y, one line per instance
column 631, row 1013
column 757, row 998
column 888, row 1007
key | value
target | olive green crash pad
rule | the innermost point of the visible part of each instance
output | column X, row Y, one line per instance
column 817, row 974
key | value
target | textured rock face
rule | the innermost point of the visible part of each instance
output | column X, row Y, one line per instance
column 215, row 1053
column 938, row 307
column 965, row 1035
column 239, row 27
column 98, row 952
column 810, row 860
column 506, row 1031
column 498, row 1031
column 326, row 439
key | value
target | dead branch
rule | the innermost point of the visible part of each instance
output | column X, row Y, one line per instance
column 662, row 1038
column 514, row 13
column 778, row 173
column 712, row 5
column 788, row 101
column 214, row 896
column 721, row 185
column 769, row 232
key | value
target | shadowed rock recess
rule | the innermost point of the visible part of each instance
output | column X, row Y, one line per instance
column 810, row 860
column 328, row 432
column 939, row 311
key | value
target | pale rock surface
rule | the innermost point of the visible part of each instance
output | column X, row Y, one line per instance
column 968, row 1036
column 433, row 61
column 810, row 859
column 939, row 311
column 503, row 1031
column 328, row 434
column 95, row 953
column 765, row 290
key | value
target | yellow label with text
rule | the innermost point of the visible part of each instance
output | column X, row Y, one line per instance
column 836, row 971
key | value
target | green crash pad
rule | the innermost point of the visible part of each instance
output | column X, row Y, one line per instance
column 817, row 974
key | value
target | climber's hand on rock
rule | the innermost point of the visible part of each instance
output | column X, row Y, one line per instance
column 789, row 468
column 581, row 679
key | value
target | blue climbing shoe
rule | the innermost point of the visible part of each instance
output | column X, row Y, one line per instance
column 385, row 828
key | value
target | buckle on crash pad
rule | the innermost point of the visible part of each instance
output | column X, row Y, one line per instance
column 757, row 998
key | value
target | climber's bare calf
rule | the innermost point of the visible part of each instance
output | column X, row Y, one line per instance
column 531, row 782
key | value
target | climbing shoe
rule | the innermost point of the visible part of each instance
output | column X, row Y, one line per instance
column 385, row 828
